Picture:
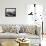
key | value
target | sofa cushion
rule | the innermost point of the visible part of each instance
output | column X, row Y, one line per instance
column 30, row 29
column 9, row 28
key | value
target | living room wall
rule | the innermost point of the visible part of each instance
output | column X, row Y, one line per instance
column 20, row 5
column 20, row 10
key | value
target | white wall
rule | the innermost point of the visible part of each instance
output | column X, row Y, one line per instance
column 20, row 10
column 20, row 6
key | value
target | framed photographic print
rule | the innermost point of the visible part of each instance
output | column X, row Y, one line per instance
column 10, row 12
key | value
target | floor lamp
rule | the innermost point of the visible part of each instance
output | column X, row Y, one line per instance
column 42, row 26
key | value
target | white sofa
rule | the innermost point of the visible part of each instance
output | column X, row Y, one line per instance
column 19, row 30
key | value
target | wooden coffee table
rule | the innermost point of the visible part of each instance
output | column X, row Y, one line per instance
column 24, row 43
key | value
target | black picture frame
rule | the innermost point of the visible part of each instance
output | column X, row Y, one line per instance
column 10, row 12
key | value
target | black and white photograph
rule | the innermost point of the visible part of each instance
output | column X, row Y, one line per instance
column 10, row 12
